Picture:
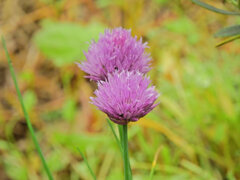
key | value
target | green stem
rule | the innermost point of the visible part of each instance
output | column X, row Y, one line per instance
column 50, row 177
column 120, row 129
column 127, row 174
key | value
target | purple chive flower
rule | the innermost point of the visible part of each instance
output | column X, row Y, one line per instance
column 115, row 50
column 125, row 96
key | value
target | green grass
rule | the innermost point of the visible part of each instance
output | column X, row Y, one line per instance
column 29, row 124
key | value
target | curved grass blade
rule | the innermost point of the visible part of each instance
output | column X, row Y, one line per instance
column 211, row 8
column 86, row 162
column 228, row 31
column 228, row 40
column 120, row 131
column 115, row 135
column 29, row 124
column 154, row 163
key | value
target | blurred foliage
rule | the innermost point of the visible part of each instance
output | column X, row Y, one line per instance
column 185, row 27
column 65, row 42
column 232, row 31
column 195, row 129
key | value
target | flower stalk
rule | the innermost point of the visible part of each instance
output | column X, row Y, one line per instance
column 127, row 168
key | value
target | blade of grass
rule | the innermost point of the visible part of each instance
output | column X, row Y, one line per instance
column 211, row 8
column 115, row 135
column 29, row 124
column 120, row 131
column 228, row 31
column 86, row 162
column 154, row 163
column 228, row 40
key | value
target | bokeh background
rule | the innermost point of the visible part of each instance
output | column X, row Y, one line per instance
column 193, row 134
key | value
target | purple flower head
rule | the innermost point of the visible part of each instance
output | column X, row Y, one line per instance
column 125, row 96
column 115, row 50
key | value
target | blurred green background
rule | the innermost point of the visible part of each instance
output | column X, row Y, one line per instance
column 193, row 134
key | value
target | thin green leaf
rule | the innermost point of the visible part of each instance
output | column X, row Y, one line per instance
column 29, row 124
column 211, row 8
column 238, row 4
column 115, row 135
column 228, row 31
column 228, row 40
column 154, row 164
column 86, row 162
column 120, row 131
